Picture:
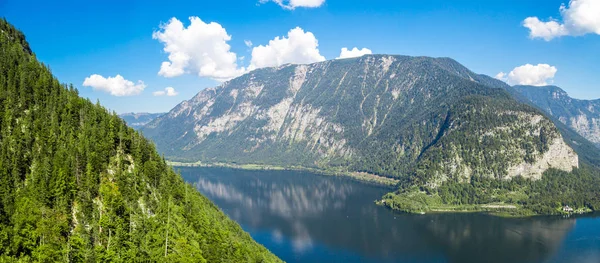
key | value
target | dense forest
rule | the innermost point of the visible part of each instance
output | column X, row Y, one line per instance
column 78, row 185
column 578, row 189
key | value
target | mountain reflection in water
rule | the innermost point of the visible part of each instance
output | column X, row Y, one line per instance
column 304, row 217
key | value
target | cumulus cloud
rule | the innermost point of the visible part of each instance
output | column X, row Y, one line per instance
column 116, row 86
column 292, row 4
column 355, row 52
column 298, row 48
column 538, row 75
column 248, row 43
column 200, row 48
column 501, row 76
column 169, row 91
column 580, row 17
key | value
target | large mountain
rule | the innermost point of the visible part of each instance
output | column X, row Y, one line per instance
column 78, row 185
column 387, row 115
column 583, row 116
column 138, row 120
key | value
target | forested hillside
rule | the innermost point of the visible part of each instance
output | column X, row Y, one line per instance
column 78, row 185
column 585, row 149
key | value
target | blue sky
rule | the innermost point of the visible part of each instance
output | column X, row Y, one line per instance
column 80, row 38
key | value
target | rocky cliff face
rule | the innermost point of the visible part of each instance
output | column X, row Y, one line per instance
column 559, row 156
column 583, row 116
column 389, row 115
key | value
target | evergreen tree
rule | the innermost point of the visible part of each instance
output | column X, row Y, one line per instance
column 78, row 185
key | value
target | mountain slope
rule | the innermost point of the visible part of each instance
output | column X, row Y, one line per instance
column 138, row 120
column 78, row 185
column 583, row 116
column 586, row 150
column 388, row 115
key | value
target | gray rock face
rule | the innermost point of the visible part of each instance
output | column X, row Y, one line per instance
column 583, row 116
column 388, row 115
column 559, row 156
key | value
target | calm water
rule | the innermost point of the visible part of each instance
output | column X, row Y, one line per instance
column 303, row 217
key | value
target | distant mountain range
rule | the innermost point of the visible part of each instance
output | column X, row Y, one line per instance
column 583, row 116
column 138, row 120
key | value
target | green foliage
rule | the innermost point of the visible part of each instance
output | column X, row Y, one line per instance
column 558, row 107
column 78, row 185
column 485, row 136
column 578, row 189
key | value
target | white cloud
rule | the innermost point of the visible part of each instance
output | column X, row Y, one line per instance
column 538, row 75
column 292, row 4
column 579, row 18
column 355, row 52
column 248, row 43
column 169, row 91
column 201, row 48
column 116, row 86
column 298, row 48
column 546, row 30
column 501, row 76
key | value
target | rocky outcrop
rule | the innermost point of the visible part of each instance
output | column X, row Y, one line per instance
column 587, row 126
column 559, row 156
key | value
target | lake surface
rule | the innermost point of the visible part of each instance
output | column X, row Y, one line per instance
column 304, row 217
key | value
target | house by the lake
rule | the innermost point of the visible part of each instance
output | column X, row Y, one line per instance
column 567, row 209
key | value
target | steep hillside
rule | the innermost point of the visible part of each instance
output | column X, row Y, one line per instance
column 388, row 115
column 78, row 185
column 583, row 116
column 586, row 150
column 138, row 120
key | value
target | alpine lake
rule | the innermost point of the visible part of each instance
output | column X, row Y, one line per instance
column 307, row 217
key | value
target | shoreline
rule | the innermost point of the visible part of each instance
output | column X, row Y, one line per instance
column 507, row 210
column 494, row 209
column 358, row 176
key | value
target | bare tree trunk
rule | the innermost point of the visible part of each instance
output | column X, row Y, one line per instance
column 168, row 222
column 108, row 244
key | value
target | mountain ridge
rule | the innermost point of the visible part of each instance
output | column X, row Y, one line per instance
column 583, row 116
column 445, row 70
